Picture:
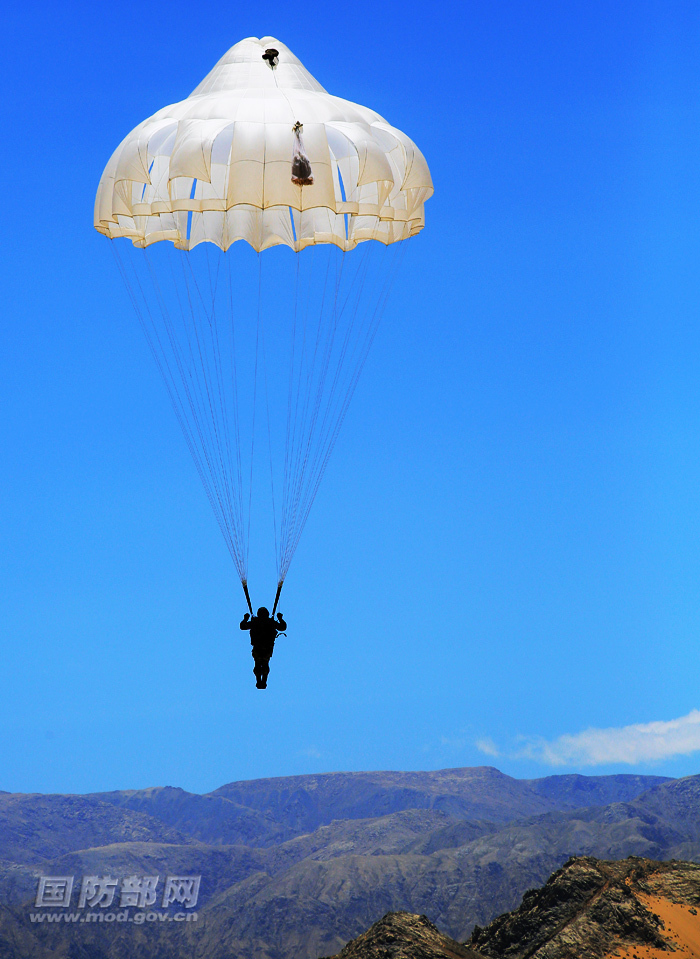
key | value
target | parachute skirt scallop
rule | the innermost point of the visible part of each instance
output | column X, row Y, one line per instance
column 260, row 356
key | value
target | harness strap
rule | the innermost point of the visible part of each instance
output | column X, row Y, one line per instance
column 247, row 595
column 277, row 597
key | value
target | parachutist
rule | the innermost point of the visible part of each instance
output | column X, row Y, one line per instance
column 263, row 633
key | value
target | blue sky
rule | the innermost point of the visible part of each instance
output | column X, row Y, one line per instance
column 505, row 548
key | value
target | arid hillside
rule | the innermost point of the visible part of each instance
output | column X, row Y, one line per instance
column 636, row 907
column 589, row 909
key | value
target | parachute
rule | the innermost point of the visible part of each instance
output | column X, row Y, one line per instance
column 261, row 350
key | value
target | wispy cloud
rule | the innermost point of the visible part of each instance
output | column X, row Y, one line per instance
column 487, row 746
column 642, row 742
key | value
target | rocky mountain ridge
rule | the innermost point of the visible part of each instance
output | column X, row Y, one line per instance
column 400, row 935
column 589, row 909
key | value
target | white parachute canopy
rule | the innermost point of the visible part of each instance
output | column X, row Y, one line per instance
column 216, row 166
column 249, row 344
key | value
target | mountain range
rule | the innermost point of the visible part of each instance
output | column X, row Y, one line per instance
column 297, row 866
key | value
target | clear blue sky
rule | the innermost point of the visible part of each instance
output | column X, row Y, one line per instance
column 506, row 546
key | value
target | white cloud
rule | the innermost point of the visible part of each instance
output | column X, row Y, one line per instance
column 642, row 742
column 487, row 746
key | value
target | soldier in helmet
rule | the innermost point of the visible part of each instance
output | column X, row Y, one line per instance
column 263, row 633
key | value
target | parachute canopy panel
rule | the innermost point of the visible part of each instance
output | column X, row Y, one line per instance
column 218, row 166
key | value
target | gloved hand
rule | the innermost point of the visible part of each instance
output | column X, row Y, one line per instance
column 246, row 617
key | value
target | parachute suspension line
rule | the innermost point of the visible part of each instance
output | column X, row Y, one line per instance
column 360, row 330
column 305, row 392
column 277, row 597
column 314, row 438
column 267, row 400
column 301, row 307
column 232, row 489
column 288, row 433
column 195, row 384
column 238, row 486
column 314, row 454
column 366, row 341
column 160, row 356
column 296, row 418
column 255, row 400
column 209, row 354
column 341, row 343
column 212, row 429
column 193, row 390
column 186, row 390
column 331, row 330
column 216, row 354
column 236, row 409
column 296, row 489
column 244, row 583
column 306, row 432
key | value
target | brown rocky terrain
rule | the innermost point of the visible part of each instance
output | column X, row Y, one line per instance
column 401, row 935
column 592, row 908
column 589, row 909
